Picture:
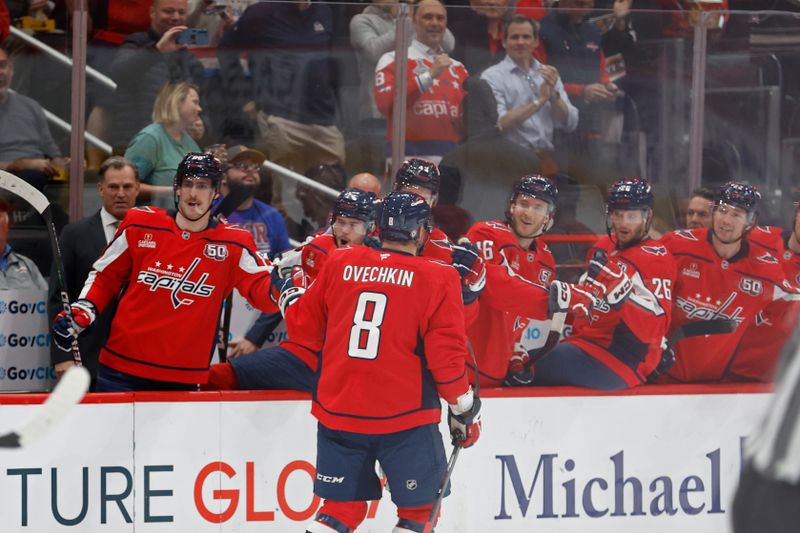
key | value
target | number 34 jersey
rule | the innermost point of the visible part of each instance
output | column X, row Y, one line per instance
column 708, row 287
column 390, row 328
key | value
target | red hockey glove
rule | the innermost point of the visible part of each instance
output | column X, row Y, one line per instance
column 520, row 372
column 608, row 280
column 465, row 422
column 467, row 259
column 67, row 326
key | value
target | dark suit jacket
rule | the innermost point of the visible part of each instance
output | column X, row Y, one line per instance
column 81, row 244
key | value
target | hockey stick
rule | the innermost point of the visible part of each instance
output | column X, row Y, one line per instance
column 715, row 326
column 553, row 336
column 236, row 195
column 451, row 464
column 445, row 483
column 39, row 201
column 69, row 391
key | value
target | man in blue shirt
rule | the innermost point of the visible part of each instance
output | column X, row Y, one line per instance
column 531, row 101
column 262, row 220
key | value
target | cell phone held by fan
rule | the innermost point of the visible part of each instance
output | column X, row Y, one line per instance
column 193, row 37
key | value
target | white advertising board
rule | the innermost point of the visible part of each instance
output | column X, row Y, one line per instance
column 558, row 464
column 24, row 341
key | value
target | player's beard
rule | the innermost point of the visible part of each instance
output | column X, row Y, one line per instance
column 514, row 224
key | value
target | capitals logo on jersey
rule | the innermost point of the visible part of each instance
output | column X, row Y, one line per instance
column 177, row 282
column 655, row 250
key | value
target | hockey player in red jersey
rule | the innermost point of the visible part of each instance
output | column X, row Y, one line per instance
column 762, row 343
column 289, row 365
column 621, row 341
column 721, row 274
column 178, row 267
column 519, row 269
column 390, row 327
column 422, row 177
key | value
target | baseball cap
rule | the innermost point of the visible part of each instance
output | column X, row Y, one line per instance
column 240, row 152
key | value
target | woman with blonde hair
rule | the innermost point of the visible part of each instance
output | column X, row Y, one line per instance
column 158, row 148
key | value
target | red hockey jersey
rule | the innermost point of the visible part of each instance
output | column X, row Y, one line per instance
column 709, row 287
column 517, row 290
column 315, row 252
column 166, row 323
column 433, row 113
column 629, row 340
column 762, row 343
column 390, row 328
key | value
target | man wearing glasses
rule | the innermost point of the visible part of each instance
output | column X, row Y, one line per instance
column 262, row 220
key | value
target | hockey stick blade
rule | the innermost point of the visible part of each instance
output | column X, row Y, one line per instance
column 68, row 392
column 442, row 490
column 715, row 326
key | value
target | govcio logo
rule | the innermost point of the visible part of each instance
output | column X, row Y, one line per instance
column 16, row 340
column 15, row 307
column 41, row 373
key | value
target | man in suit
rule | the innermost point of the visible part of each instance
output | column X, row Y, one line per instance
column 81, row 244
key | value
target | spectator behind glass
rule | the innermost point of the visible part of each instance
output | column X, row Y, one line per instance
column 159, row 147
column 144, row 62
column 479, row 34
column 573, row 45
column 531, row 100
column 435, row 87
column 16, row 270
column 263, row 221
column 5, row 22
column 27, row 148
column 296, row 110
column 372, row 34
column 81, row 243
column 316, row 205
column 698, row 208
column 364, row 181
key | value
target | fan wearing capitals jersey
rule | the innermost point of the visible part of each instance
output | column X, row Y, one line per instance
column 620, row 342
column 721, row 274
column 289, row 365
column 762, row 343
column 177, row 267
column 390, row 329
column 519, row 270
column 434, row 86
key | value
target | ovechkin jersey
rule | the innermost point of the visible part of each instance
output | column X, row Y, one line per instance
column 390, row 329
column 517, row 290
column 175, row 281
column 629, row 340
column 763, row 341
column 315, row 252
column 709, row 287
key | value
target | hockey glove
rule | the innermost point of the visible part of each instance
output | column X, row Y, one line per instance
column 520, row 372
column 608, row 280
column 465, row 420
column 568, row 297
column 371, row 242
column 287, row 261
column 67, row 326
column 467, row 259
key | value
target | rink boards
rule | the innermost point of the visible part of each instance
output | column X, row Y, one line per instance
column 657, row 459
